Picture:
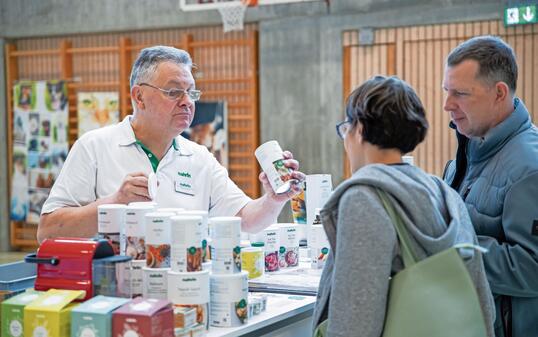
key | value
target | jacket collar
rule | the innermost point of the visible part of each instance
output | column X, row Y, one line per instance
column 484, row 148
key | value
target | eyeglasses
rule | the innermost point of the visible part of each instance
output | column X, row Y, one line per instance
column 177, row 94
column 342, row 128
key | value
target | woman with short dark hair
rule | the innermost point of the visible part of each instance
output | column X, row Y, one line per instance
column 385, row 119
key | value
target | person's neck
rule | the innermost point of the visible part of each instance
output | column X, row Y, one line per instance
column 375, row 155
column 156, row 141
column 505, row 110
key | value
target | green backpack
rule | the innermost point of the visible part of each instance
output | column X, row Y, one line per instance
column 432, row 297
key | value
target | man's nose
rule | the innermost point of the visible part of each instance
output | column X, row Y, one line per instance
column 185, row 101
column 449, row 103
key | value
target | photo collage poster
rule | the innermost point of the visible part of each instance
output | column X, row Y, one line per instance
column 96, row 110
column 40, row 144
column 209, row 127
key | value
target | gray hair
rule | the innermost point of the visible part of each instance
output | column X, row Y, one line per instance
column 496, row 59
column 149, row 58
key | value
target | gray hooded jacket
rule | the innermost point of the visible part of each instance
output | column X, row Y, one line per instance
column 364, row 246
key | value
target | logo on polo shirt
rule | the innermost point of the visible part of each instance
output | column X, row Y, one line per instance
column 184, row 174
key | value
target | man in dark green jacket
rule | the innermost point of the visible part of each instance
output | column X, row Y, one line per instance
column 496, row 173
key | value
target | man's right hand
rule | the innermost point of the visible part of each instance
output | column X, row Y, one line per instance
column 133, row 188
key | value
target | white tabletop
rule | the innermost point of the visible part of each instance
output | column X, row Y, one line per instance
column 279, row 308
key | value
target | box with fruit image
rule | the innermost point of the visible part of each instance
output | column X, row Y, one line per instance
column 289, row 246
column 144, row 318
column 13, row 313
column 50, row 314
column 94, row 317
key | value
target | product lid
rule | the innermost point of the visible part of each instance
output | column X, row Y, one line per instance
column 258, row 244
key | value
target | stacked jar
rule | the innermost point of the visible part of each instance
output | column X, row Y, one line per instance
column 158, row 229
column 134, row 243
column 228, row 283
column 188, row 284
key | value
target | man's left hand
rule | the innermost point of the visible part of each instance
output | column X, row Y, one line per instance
column 293, row 164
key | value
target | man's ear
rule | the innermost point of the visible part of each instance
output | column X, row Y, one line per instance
column 502, row 91
column 136, row 96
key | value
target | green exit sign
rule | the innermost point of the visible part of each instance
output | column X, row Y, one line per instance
column 520, row 15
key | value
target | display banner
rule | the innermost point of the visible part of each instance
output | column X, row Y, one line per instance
column 97, row 109
column 40, row 144
column 210, row 128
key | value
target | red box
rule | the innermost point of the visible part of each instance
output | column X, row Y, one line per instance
column 144, row 317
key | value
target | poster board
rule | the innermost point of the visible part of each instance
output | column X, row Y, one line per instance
column 40, row 145
column 96, row 110
column 210, row 128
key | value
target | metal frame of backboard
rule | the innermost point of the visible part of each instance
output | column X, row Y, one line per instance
column 186, row 7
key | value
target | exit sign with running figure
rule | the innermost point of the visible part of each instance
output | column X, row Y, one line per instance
column 520, row 15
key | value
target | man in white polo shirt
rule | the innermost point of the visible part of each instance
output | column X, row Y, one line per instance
column 112, row 164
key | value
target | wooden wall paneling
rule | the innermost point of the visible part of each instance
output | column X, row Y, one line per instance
column 348, row 67
column 414, row 80
column 11, row 75
column 526, row 74
column 124, row 61
column 534, row 110
column 420, row 54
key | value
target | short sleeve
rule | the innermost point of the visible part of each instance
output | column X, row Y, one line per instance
column 75, row 186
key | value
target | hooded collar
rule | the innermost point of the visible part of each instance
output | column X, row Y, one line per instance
column 427, row 205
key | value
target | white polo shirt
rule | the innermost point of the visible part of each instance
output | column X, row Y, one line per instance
column 189, row 176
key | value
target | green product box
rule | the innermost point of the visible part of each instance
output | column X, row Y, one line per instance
column 50, row 314
column 94, row 317
column 13, row 313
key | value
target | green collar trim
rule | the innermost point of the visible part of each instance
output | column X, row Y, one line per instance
column 151, row 156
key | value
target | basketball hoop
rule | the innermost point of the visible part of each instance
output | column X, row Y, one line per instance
column 233, row 14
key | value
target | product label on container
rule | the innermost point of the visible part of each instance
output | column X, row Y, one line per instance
column 289, row 247
column 283, row 173
column 114, row 239
column 252, row 261
column 136, row 277
column 158, row 256
column 288, row 257
column 155, row 284
column 226, row 260
column 319, row 256
column 136, row 247
column 202, row 313
column 271, row 249
column 225, row 314
column 186, row 259
column 319, row 246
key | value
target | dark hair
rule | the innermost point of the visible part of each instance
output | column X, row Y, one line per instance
column 496, row 59
column 391, row 113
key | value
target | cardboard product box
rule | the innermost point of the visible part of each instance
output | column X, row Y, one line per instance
column 184, row 317
column 144, row 317
column 13, row 313
column 94, row 317
column 198, row 331
column 50, row 314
